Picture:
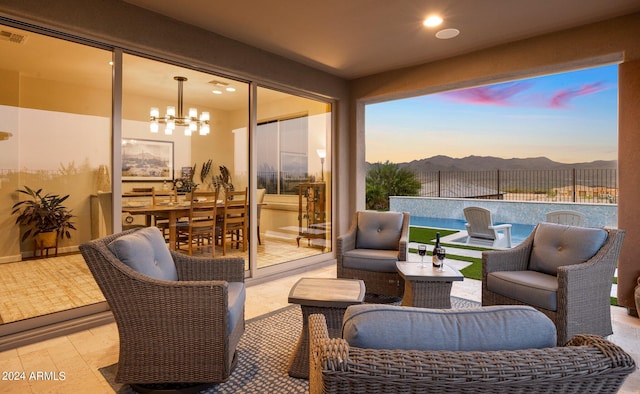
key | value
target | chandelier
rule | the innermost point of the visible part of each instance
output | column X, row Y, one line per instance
column 191, row 122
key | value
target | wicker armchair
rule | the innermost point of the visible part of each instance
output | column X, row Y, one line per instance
column 588, row 364
column 576, row 295
column 370, row 248
column 171, row 331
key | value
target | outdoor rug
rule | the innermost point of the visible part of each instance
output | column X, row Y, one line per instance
column 263, row 355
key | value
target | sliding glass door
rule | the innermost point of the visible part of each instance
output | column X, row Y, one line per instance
column 293, row 156
column 55, row 136
column 181, row 129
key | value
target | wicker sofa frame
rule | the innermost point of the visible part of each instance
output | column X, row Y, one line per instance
column 583, row 299
column 169, row 331
column 587, row 364
column 380, row 283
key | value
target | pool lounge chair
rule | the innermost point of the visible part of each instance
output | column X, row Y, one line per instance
column 571, row 218
column 481, row 229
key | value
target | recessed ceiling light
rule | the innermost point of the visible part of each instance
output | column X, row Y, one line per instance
column 216, row 91
column 432, row 21
column 230, row 89
column 445, row 34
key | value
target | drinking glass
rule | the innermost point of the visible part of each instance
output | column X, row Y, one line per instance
column 440, row 255
column 422, row 251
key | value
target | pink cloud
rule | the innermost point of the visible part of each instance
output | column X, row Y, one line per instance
column 489, row 95
column 561, row 98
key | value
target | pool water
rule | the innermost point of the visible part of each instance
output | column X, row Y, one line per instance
column 518, row 231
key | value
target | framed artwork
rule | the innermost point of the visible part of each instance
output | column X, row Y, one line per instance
column 186, row 172
column 147, row 160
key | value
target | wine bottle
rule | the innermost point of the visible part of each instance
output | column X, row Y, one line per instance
column 434, row 257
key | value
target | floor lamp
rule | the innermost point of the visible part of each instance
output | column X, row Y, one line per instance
column 322, row 153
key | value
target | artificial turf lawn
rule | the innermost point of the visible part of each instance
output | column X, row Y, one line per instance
column 425, row 235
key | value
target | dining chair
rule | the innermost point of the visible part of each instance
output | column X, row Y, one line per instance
column 234, row 220
column 200, row 226
column 160, row 197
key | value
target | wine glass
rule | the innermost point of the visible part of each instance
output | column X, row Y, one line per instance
column 422, row 251
column 441, row 254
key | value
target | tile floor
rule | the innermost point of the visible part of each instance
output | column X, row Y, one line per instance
column 80, row 355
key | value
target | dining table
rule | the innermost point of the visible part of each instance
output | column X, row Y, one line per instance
column 171, row 211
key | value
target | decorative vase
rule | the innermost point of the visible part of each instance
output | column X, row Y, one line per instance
column 637, row 297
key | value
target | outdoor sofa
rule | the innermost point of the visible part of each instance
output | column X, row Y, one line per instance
column 395, row 349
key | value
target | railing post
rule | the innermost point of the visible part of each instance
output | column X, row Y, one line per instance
column 439, row 184
column 498, row 181
column 573, row 175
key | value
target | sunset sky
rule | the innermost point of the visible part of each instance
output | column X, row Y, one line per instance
column 569, row 118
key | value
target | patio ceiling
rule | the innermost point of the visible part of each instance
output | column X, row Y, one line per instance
column 355, row 38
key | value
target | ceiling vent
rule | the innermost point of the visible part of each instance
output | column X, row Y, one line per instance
column 12, row 37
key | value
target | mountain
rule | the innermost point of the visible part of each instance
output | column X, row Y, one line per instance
column 488, row 163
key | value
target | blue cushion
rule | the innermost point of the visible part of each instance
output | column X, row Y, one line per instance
column 530, row 287
column 146, row 252
column 475, row 329
column 379, row 230
column 371, row 260
column 556, row 245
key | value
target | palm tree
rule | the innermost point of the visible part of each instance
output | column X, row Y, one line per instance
column 388, row 179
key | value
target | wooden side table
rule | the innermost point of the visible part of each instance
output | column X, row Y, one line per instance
column 427, row 287
column 329, row 297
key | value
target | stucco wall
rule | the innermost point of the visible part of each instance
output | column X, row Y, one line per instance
column 629, row 178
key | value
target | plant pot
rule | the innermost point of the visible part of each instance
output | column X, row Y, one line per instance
column 46, row 241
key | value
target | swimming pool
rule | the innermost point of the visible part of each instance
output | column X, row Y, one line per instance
column 518, row 231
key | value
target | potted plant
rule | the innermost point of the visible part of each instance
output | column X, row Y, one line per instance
column 45, row 216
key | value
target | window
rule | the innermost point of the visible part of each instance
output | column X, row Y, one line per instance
column 283, row 155
column 291, row 134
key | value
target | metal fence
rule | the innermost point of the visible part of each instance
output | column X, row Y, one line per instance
column 281, row 182
column 564, row 185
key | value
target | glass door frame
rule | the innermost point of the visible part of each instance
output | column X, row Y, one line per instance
column 264, row 273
